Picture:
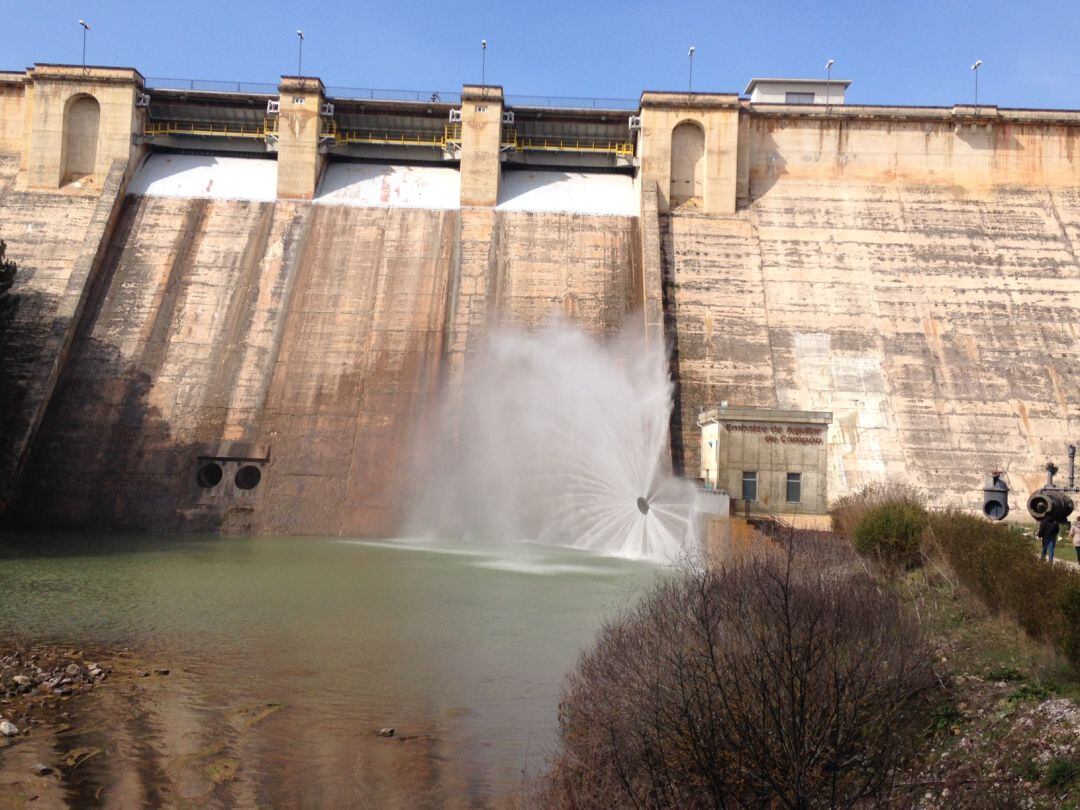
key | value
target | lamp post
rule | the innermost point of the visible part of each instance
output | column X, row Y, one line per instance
column 975, row 70
column 828, row 84
column 300, row 52
column 690, row 83
column 85, row 28
column 483, row 64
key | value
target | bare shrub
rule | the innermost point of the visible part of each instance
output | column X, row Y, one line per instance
column 848, row 511
column 1000, row 566
column 775, row 682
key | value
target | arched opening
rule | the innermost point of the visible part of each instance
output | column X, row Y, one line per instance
column 80, row 138
column 687, row 162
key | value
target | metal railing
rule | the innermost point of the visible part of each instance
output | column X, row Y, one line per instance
column 390, row 94
column 438, row 140
column 211, row 85
column 212, row 129
column 572, row 102
column 580, row 145
column 448, row 138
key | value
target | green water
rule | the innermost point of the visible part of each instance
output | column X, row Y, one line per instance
column 464, row 648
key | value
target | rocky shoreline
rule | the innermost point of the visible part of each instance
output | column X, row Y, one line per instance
column 38, row 680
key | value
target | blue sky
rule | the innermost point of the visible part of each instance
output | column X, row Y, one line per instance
column 914, row 52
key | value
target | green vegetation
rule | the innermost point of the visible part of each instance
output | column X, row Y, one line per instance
column 999, row 566
column 1062, row 773
column 951, row 666
column 1006, row 674
column 8, row 302
column 891, row 534
column 848, row 512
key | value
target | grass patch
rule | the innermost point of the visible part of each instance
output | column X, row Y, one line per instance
column 1032, row 691
column 1062, row 773
column 1007, row 674
column 998, row 565
column 945, row 718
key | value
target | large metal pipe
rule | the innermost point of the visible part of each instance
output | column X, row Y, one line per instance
column 1050, row 503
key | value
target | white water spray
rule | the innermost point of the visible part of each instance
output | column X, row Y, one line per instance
column 559, row 439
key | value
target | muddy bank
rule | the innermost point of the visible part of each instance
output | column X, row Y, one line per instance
column 108, row 728
column 53, row 700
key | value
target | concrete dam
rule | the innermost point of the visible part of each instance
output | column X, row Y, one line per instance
column 239, row 310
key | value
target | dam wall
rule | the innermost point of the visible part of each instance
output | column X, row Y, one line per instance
column 938, row 325
column 278, row 288
column 923, row 146
column 57, row 242
column 309, row 340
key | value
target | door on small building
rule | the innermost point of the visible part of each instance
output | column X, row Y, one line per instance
column 687, row 163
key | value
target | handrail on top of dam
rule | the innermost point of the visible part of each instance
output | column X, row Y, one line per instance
column 389, row 94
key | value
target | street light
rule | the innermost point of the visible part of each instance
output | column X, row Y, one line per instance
column 483, row 64
column 300, row 55
column 85, row 28
column 690, row 84
column 828, row 84
column 975, row 70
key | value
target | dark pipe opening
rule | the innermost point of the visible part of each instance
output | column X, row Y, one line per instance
column 248, row 477
column 209, row 475
column 643, row 506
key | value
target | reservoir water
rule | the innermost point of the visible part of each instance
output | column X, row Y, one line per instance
column 287, row 655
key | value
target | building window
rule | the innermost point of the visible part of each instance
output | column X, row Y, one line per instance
column 749, row 486
column 798, row 98
column 794, row 487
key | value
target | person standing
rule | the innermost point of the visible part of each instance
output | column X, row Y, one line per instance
column 1074, row 535
column 1048, row 532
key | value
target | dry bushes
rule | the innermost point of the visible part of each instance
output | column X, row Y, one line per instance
column 782, row 681
column 848, row 511
column 1000, row 566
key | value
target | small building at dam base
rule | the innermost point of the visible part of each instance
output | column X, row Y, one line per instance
column 767, row 458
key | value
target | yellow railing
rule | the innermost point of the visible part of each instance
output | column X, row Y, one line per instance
column 450, row 136
column 383, row 138
column 207, row 129
column 582, row 145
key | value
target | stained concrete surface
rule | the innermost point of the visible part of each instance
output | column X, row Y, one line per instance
column 937, row 323
column 939, row 327
column 318, row 334
column 46, row 235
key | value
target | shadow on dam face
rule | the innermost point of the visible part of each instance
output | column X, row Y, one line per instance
column 104, row 458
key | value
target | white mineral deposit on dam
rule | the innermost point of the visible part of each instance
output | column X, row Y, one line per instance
column 390, row 186
column 554, row 191
column 206, row 177
column 560, row 439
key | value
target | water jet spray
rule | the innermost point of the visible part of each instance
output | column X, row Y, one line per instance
column 590, row 417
